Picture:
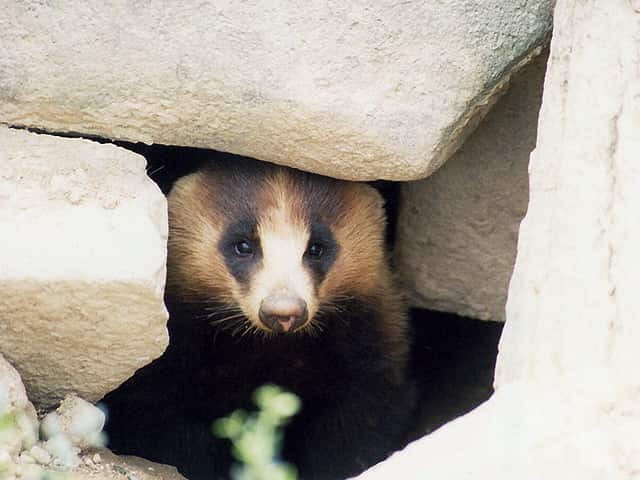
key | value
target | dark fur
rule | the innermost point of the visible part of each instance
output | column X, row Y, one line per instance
column 351, row 377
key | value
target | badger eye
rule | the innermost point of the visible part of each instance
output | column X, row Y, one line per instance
column 315, row 250
column 243, row 248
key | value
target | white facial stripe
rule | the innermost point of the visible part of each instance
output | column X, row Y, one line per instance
column 283, row 244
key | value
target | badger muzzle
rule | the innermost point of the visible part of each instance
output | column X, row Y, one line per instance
column 283, row 312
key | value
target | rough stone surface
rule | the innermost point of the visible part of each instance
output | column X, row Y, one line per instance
column 573, row 301
column 530, row 432
column 79, row 420
column 22, row 432
column 458, row 229
column 358, row 90
column 103, row 465
column 13, row 395
column 83, row 264
column 567, row 401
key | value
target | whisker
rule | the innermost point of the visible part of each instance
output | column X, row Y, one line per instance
column 156, row 170
column 221, row 309
column 226, row 319
column 238, row 329
column 247, row 329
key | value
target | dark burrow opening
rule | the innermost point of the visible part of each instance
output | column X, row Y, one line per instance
column 452, row 361
column 452, row 358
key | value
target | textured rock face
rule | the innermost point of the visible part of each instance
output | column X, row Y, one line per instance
column 358, row 90
column 567, row 403
column 577, row 270
column 18, row 419
column 13, row 396
column 82, row 267
column 112, row 467
column 457, row 230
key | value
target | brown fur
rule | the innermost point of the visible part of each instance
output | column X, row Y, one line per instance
column 361, row 268
column 193, row 265
column 348, row 365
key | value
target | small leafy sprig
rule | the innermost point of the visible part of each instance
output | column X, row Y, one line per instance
column 256, row 437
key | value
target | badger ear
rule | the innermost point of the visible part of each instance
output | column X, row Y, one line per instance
column 183, row 188
column 369, row 207
column 374, row 197
column 192, row 201
column 185, row 202
column 194, row 268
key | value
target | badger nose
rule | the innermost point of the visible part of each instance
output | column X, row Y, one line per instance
column 283, row 312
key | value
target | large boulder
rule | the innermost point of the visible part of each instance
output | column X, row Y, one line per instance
column 567, row 401
column 358, row 90
column 82, row 268
column 457, row 229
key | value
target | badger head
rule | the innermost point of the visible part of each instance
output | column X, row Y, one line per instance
column 268, row 249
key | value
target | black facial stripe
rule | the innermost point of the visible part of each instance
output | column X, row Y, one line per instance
column 318, row 267
column 238, row 193
column 240, row 267
column 236, row 185
column 322, row 196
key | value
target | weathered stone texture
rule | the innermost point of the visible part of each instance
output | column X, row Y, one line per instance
column 457, row 230
column 114, row 467
column 573, row 302
column 82, row 267
column 358, row 90
column 567, row 401
column 22, row 430
column 13, row 395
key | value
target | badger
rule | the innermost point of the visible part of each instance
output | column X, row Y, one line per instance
column 273, row 276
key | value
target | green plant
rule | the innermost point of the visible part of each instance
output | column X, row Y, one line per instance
column 256, row 437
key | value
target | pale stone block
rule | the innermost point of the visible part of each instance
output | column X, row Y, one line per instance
column 82, row 268
column 529, row 431
column 359, row 90
column 19, row 422
column 457, row 230
column 567, row 401
column 13, row 396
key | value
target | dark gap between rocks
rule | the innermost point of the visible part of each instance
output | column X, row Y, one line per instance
column 452, row 360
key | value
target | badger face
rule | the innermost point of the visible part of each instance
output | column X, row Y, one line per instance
column 278, row 260
column 270, row 249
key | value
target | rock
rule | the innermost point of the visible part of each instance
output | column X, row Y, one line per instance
column 13, row 396
column 358, row 90
column 30, row 472
column 530, row 432
column 567, row 401
column 78, row 419
column 573, row 302
column 112, row 467
column 82, row 273
column 65, row 455
column 457, row 230
column 40, row 455
column 18, row 419
column 21, row 458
